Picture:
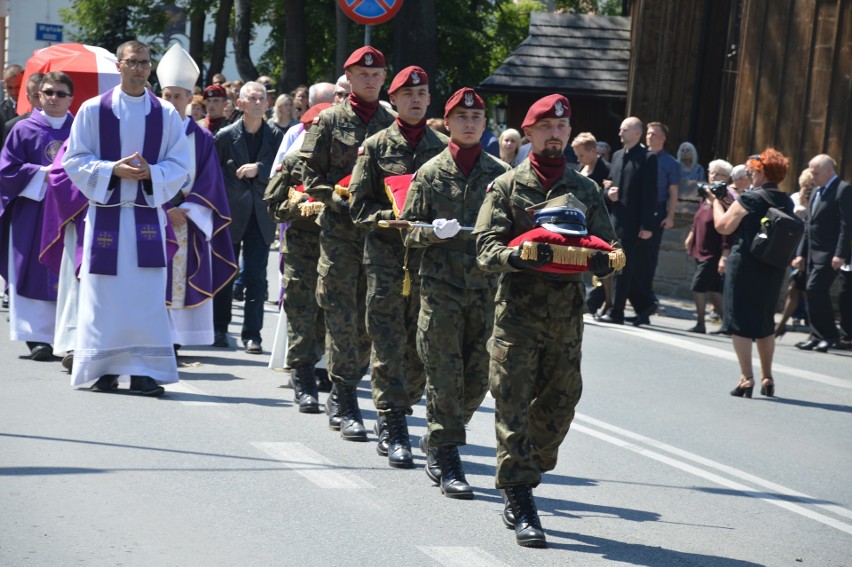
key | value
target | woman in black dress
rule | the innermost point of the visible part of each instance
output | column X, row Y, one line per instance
column 752, row 287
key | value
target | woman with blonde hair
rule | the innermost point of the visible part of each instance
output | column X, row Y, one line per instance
column 510, row 142
column 751, row 286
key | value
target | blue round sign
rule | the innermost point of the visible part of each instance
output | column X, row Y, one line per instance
column 370, row 12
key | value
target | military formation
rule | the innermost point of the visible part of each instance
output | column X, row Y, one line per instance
column 417, row 258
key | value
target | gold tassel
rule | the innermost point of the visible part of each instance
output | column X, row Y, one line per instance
column 309, row 209
column 574, row 255
column 617, row 259
column 406, row 277
column 295, row 197
column 342, row 191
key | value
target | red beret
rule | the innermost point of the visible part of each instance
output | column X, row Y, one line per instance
column 312, row 113
column 551, row 106
column 215, row 90
column 412, row 76
column 366, row 56
column 466, row 98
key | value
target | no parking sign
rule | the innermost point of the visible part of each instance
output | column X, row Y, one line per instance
column 370, row 12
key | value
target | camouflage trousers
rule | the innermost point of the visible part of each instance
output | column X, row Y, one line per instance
column 451, row 339
column 536, row 383
column 341, row 293
column 397, row 376
column 305, row 320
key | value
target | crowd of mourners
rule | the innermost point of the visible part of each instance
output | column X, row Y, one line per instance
column 426, row 253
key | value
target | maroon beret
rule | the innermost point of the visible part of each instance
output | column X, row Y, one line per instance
column 366, row 56
column 412, row 76
column 551, row 106
column 215, row 90
column 311, row 113
column 466, row 98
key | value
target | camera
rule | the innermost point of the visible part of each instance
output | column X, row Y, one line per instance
column 718, row 190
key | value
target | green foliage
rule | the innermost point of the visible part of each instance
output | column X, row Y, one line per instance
column 598, row 7
column 108, row 23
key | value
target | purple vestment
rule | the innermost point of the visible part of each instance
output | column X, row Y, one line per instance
column 31, row 144
column 210, row 265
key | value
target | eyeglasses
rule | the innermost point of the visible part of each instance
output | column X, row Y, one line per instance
column 755, row 157
column 51, row 92
column 134, row 63
column 340, row 93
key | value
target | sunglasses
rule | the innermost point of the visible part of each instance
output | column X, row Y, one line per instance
column 51, row 92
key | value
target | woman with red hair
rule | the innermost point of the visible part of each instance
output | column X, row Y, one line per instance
column 752, row 287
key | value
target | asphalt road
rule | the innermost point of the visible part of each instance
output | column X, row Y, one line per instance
column 661, row 467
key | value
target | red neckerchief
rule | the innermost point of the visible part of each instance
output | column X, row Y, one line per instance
column 364, row 110
column 548, row 170
column 412, row 134
column 465, row 158
column 213, row 124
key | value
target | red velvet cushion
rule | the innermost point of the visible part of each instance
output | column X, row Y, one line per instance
column 588, row 243
column 396, row 187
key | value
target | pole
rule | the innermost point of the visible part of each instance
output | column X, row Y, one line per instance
column 367, row 35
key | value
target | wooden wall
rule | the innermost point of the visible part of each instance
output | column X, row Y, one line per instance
column 736, row 76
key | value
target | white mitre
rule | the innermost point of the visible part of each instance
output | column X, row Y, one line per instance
column 177, row 69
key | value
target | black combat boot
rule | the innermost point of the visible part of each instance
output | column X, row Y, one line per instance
column 399, row 444
column 381, row 431
column 305, row 388
column 528, row 532
column 323, row 381
column 332, row 409
column 453, row 482
column 508, row 513
column 351, row 422
column 433, row 470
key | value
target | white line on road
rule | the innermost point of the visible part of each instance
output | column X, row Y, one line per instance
column 460, row 556
column 772, row 498
column 311, row 465
column 729, row 355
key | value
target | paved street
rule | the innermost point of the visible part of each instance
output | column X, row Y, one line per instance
column 662, row 467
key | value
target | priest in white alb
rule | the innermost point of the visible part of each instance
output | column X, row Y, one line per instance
column 128, row 154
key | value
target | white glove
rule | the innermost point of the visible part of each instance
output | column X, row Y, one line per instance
column 445, row 228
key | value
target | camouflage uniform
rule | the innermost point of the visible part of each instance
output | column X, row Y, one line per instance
column 329, row 152
column 457, row 298
column 300, row 254
column 398, row 377
column 538, row 326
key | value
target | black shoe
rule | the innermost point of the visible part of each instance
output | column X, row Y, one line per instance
column 68, row 361
column 823, row 346
column 433, row 469
column 239, row 294
column 351, row 422
column 528, row 532
column 5, row 301
column 304, row 387
column 698, row 329
column 106, row 383
column 809, row 344
column 380, row 429
column 323, row 381
column 253, row 347
column 453, row 482
column 508, row 514
column 744, row 388
column 145, row 386
column 41, row 352
column 332, row 409
column 399, row 443
column 220, row 339
column 612, row 319
column 638, row 320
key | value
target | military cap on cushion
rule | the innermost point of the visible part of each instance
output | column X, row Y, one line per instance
column 564, row 220
column 412, row 76
column 366, row 56
column 312, row 113
column 465, row 98
column 396, row 187
column 551, row 106
column 215, row 91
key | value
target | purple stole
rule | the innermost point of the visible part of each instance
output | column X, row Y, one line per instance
column 207, row 273
column 149, row 239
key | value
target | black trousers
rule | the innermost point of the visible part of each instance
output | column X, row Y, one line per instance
column 633, row 282
column 820, row 310
column 845, row 301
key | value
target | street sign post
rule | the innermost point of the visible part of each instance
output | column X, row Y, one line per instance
column 370, row 12
column 49, row 32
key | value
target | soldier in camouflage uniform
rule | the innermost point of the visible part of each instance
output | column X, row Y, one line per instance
column 538, row 329
column 457, row 298
column 329, row 152
column 300, row 252
column 398, row 377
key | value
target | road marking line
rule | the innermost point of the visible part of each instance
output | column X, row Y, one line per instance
column 184, row 388
column 729, row 355
column 771, row 498
column 460, row 556
column 311, row 465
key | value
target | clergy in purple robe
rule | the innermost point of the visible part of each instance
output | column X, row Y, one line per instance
column 199, row 214
column 129, row 155
column 25, row 162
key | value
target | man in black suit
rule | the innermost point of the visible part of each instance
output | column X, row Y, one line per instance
column 825, row 248
column 246, row 151
column 632, row 190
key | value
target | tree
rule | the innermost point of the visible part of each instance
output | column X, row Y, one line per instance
column 242, row 40
column 220, row 37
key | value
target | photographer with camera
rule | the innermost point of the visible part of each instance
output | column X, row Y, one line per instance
column 707, row 246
